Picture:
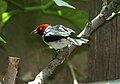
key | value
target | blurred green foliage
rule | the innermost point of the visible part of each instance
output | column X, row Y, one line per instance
column 77, row 17
column 3, row 7
column 1, row 39
column 5, row 16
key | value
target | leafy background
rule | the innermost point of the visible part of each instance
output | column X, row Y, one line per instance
column 19, row 17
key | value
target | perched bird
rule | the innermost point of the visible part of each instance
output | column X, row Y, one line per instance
column 58, row 36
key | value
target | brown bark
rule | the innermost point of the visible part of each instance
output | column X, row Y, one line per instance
column 11, row 73
column 104, row 51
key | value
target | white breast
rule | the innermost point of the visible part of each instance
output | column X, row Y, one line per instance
column 59, row 44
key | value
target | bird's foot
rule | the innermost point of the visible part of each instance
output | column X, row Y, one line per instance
column 57, row 52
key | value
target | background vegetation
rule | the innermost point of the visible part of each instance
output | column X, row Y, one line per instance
column 19, row 17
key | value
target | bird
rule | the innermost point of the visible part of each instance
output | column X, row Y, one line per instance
column 58, row 36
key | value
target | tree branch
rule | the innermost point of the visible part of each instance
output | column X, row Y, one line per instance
column 99, row 20
column 10, row 76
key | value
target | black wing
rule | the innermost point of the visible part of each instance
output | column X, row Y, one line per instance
column 54, row 33
column 52, row 38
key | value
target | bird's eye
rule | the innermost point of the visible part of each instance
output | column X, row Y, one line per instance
column 40, row 28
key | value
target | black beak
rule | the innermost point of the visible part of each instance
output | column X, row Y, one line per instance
column 34, row 32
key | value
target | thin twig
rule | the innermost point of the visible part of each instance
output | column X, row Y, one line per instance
column 104, row 2
column 39, row 7
column 72, row 72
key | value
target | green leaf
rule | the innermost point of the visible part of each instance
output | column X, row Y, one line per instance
column 63, row 3
column 2, row 40
column 3, row 6
column 5, row 17
column 118, row 12
column 59, row 12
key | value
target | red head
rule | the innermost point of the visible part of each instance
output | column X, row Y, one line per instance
column 40, row 29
